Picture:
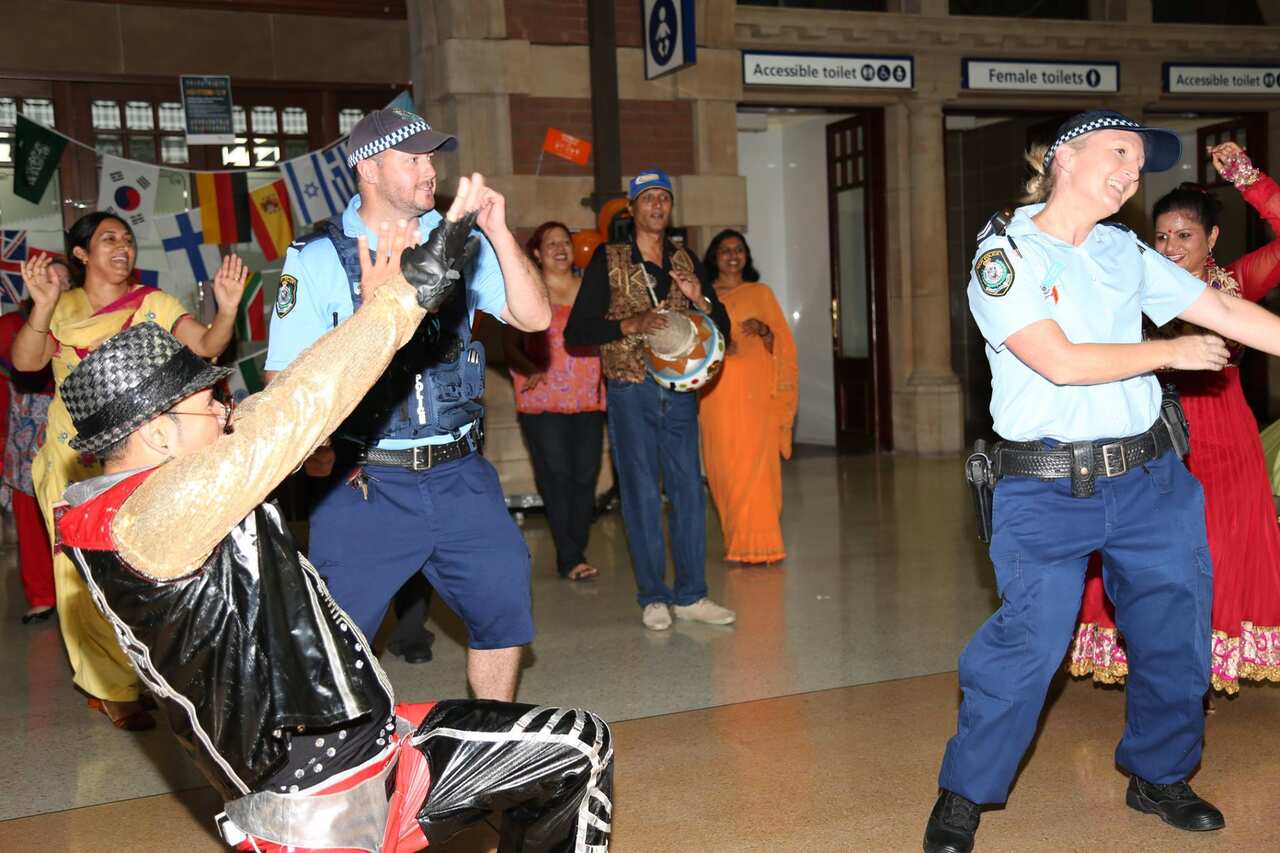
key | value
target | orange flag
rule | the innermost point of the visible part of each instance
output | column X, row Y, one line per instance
column 571, row 148
column 272, row 218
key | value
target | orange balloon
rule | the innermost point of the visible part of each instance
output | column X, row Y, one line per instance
column 585, row 243
column 608, row 211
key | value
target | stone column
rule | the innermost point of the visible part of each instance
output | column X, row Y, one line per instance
column 933, row 394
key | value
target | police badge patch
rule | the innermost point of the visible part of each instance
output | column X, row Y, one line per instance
column 994, row 272
column 287, row 296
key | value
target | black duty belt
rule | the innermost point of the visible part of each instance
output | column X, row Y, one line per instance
column 416, row 458
column 1082, row 461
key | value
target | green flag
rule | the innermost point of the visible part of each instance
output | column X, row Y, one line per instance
column 37, row 150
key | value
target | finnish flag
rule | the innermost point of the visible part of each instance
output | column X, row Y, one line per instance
column 320, row 183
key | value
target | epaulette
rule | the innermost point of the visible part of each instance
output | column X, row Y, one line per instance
column 998, row 226
column 307, row 239
column 1142, row 246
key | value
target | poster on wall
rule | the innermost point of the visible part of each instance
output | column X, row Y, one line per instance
column 206, row 99
column 669, row 40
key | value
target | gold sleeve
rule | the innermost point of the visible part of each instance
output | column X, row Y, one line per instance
column 175, row 519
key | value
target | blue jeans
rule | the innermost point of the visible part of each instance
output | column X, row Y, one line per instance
column 653, row 432
column 1149, row 526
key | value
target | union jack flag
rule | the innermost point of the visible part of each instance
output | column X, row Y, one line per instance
column 13, row 251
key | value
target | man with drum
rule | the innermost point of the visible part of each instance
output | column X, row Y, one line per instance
column 627, row 290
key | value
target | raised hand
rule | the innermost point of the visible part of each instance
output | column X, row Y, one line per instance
column 392, row 242
column 435, row 267
column 1224, row 154
column 689, row 285
column 228, row 284
column 1199, row 352
column 41, row 282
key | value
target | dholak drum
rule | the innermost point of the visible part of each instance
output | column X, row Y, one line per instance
column 686, row 353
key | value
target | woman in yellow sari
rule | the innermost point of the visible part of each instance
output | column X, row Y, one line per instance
column 746, row 414
column 63, row 327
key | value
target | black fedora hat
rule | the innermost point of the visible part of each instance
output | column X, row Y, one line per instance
column 128, row 380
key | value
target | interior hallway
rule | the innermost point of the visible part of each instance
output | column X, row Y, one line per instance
column 814, row 724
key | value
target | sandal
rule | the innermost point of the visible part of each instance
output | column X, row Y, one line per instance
column 137, row 721
column 581, row 572
column 42, row 615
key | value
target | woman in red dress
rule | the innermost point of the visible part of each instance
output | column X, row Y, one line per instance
column 1226, row 454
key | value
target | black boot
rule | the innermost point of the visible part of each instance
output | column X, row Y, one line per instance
column 952, row 824
column 1176, row 804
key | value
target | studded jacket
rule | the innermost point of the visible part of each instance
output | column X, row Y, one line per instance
column 224, row 620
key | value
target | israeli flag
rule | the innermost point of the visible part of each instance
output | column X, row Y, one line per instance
column 320, row 183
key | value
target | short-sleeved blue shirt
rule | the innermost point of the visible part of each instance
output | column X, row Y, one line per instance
column 322, row 297
column 1096, row 292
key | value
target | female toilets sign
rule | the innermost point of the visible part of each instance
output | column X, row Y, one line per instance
column 669, row 40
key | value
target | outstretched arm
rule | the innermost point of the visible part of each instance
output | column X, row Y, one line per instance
column 1044, row 348
column 1237, row 319
column 170, row 525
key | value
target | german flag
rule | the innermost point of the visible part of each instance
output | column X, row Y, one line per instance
column 223, row 199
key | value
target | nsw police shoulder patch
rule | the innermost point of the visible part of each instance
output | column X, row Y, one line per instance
column 994, row 272
column 287, row 296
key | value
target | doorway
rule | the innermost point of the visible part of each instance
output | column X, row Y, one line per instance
column 815, row 225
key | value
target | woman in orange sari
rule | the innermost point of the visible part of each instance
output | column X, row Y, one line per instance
column 746, row 414
column 62, row 328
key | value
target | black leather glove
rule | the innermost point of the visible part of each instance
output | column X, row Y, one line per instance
column 435, row 266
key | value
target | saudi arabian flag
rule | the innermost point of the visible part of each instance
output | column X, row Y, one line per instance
column 251, row 318
column 246, row 379
column 36, row 152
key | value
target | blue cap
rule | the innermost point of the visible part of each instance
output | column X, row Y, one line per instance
column 647, row 180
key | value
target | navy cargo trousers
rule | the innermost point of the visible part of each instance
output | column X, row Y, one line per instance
column 1148, row 524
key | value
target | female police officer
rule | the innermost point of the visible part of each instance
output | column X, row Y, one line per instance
column 1088, row 464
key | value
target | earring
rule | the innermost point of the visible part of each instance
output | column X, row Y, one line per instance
column 1209, row 262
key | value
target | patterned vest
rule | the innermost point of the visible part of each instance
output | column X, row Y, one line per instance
column 623, row 359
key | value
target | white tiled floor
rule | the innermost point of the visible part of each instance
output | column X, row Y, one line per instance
column 884, row 579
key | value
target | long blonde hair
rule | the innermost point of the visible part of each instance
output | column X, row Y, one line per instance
column 1040, row 185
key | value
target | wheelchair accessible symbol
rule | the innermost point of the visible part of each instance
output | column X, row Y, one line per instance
column 663, row 30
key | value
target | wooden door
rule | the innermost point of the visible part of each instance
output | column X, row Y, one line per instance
column 859, row 317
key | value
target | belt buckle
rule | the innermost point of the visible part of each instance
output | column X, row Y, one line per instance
column 1113, row 461
column 418, row 463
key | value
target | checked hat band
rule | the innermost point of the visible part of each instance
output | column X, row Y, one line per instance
column 390, row 140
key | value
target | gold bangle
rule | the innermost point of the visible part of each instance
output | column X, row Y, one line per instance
column 34, row 329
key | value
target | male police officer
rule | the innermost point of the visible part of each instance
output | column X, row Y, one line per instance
column 409, row 492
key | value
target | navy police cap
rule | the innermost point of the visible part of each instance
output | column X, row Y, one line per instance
column 392, row 127
column 1163, row 147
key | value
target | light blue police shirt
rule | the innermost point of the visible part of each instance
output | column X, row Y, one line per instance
column 322, row 296
column 1096, row 292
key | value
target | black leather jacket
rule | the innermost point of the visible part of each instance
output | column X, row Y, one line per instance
column 244, row 648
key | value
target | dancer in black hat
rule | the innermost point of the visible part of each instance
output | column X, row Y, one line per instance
column 268, row 684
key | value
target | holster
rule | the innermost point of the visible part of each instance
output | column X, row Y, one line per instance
column 1175, row 420
column 981, row 474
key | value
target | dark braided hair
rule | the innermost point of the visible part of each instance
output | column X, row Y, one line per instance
column 1191, row 198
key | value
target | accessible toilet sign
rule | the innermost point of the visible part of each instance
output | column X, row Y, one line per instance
column 1036, row 75
column 1221, row 79
column 767, row 68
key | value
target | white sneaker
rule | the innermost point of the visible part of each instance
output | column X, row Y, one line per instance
column 656, row 616
column 705, row 610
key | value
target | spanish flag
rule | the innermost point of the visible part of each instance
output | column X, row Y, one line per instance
column 272, row 218
column 223, row 198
